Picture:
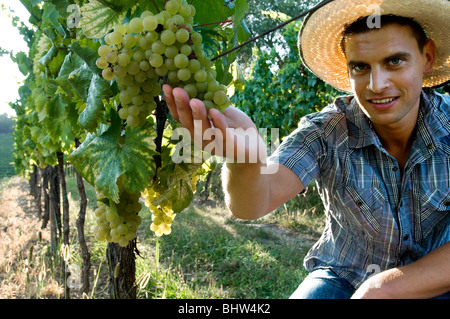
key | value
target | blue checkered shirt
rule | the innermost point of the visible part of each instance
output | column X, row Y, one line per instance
column 377, row 217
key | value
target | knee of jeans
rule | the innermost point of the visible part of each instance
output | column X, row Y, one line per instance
column 323, row 284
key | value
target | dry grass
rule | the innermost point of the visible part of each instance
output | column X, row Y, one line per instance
column 23, row 246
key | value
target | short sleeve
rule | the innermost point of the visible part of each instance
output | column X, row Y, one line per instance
column 302, row 150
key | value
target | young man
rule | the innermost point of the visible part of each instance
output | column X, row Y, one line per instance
column 381, row 157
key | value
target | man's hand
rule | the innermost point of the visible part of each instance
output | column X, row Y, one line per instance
column 232, row 134
column 425, row 278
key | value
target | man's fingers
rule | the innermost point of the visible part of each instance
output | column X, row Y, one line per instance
column 184, row 111
column 170, row 101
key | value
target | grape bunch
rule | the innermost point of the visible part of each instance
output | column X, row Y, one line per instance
column 118, row 224
column 153, row 49
column 162, row 215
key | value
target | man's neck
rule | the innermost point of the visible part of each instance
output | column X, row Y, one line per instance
column 398, row 139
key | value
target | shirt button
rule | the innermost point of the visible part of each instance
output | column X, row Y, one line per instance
column 447, row 203
column 359, row 203
column 430, row 147
column 406, row 237
column 395, row 169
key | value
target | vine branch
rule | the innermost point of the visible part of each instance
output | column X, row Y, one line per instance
column 272, row 30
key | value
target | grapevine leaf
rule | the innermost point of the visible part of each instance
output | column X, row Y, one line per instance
column 241, row 9
column 211, row 11
column 98, row 89
column 118, row 5
column 176, row 179
column 98, row 19
column 88, row 52
column 105, row 158
column 80, row 80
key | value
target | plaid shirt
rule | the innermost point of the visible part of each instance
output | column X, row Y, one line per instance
column 376, row 216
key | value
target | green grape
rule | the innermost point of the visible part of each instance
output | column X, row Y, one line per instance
column 123, row 242
column 137, row 100
column 181, row 61
column 108, row 74
column 158, row 47
column 101, row 63
column 220, row 97
column 200, row 76
column 162, row 70
column 156, row 60
column 172, row 6
column 138, row 55
column 167, row 38
column 122, row 229
column 185, row 10
column 111, row 57
column 182, row 35
column 133, row 68
column 125, row 97
column 136, row 25
column 133, row 90
column 121, row 29
column 115, row 38
column 145, row 43
column 171, row 52
column 196, row 38
column 170, row 64
column 120, row 71
column 150, row 23
column 129, row 40
column 132, row 121
column 144, row 65
column 123, row 59
column 208, row 104
column 194, row 66
column 186, row 50
column 140, row 77
column 103, row 50
column 184, row 74
column 123, row 113
column 191, row 89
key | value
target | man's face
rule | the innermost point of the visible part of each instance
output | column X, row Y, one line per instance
column 386, row 69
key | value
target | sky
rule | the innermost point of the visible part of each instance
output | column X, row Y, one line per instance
column 11, row 40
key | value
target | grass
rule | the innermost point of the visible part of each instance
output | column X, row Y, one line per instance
column 208, row 255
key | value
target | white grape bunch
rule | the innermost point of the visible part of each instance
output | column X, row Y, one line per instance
column 162, row 215
column 151, row 49
column 118, row 224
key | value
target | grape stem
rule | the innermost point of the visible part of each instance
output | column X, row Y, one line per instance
column 222, row 23
column 272, row 30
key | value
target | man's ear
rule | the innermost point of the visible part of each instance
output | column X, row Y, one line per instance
column 429, row 55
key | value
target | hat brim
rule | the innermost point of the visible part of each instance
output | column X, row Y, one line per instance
column 321, row 34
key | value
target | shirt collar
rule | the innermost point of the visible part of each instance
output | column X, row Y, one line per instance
column 433, row 121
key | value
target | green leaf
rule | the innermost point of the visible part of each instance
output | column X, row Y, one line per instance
column 105, row 158
column 176, row 179
column 87, row 50
column 80, row 80
column 211, row 11
column 98, row 19
column 99, row 89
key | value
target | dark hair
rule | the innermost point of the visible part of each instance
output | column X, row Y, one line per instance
column 363, row 24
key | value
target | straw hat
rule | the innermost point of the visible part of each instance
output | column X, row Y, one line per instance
column 321, row 34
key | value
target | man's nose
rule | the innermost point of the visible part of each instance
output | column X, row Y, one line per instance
column 379, row 81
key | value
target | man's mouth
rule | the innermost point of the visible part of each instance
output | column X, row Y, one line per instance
column 383, row 101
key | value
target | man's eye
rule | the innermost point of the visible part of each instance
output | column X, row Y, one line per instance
column 359, row 67
column 395, row 61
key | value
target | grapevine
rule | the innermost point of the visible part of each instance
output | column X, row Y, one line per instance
column 151, row 49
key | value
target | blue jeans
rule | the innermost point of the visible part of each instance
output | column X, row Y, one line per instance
column 325, row 284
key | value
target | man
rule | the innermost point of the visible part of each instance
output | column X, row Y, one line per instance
column 381, row 157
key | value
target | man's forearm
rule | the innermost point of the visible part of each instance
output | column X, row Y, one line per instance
column 246, row 190
column 428, row 277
